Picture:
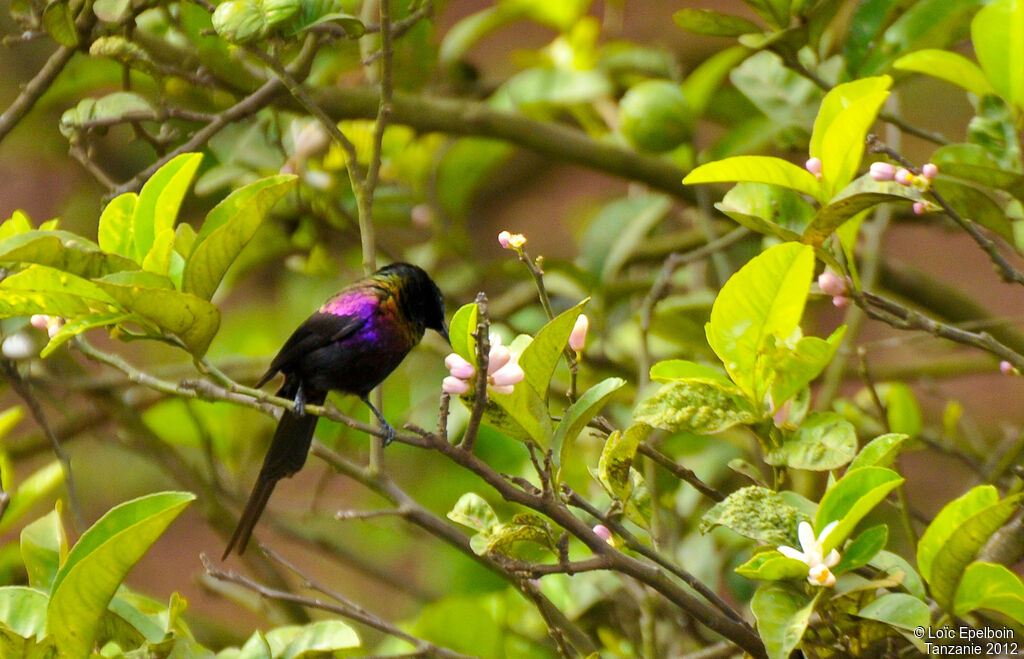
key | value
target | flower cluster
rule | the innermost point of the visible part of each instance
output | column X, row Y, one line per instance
column 513, row 241
column 818, row 573
column 51, row 324
column 883, row 171
column 832, row 284
column 503, row 372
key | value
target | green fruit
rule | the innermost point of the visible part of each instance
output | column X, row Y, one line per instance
column 655, row 116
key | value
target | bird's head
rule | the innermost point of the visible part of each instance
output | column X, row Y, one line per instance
column 418, row 296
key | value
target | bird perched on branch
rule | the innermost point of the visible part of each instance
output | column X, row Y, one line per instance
column 350, row 344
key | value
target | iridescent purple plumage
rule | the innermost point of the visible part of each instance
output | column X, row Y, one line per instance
column 354, row 341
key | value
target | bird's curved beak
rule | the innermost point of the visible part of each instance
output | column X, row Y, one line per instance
column 444, row 334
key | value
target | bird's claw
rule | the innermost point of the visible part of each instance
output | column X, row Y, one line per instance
column 389, row 433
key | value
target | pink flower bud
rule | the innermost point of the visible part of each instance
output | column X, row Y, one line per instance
column 39, row 321
column 503, row 388
column 904, row 177
column 578, row 338
column 498, row 358
column 813, row 165
column 882, row 171
column 509, row 374
column 459, row 367
column 840, row 301
column 494, row 339
column 831, row 283
column 1005, row 367
column 455, row 386
column 920, row 208
column 929, row 171
column 603, row 532
column 505, row 239
column 54, row 327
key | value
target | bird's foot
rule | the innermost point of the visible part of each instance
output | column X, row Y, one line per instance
column 300, row 401
column 389, row 432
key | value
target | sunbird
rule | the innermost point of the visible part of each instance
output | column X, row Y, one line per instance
column 350, row 344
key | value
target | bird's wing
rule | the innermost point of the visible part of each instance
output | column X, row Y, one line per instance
column 317, row 331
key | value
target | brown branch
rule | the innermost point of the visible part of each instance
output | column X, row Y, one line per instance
column 483, row 349
column 680, row 472
column 34, row 89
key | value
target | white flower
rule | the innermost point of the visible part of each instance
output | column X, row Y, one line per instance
column 812, row 554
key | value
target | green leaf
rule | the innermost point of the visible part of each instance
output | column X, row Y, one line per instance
column 524, row 527
column 823, row 442
column 228, row 228
column 525, row 410
column 899, row 610
column 997, row 34
column 863, row 549
column 99, row 562
column 891, row 563
column 540, row 358
column 542, row 87
column 41, row 289
column 110, row 11
column 948, row 66
column 758, row 169
column 115, row 228
column 461, row 330
column 926, row 24
column 975, row 205
column 973, row 163
column 694, row 406
column 782, row 615
column 23, row 611
column 158, row 260
column 713, row 24
column 772, row 566
column 902, row 413
column 994, row 128
column 859, row 196
column 768, row 209
column 43, row 544
column 617, row 459
column 765, row 298
column 160, row 199
column 76, row 326
column 37, row 487
column 846, row 115
column 880, row 451
column 850, row 499
column 113, row 106
column 956, row 535
column 681, row 370
column 316, row 12
column 776, row 12
column 990, row 586
column 701, row 84
column 318, row 638
column 472, row 510
column 64, row 251
column 240, row 21
column 191, row 319
column 583, row 411
column 59, row 22
column 795, row 367
column 757, row 513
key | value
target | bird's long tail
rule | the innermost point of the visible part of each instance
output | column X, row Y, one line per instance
column 286, row 456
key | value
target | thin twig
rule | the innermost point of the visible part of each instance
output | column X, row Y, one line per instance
column 10, row 371
column 483, row 349
column 34, row 89
column 680, row 472
column 344, row 608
